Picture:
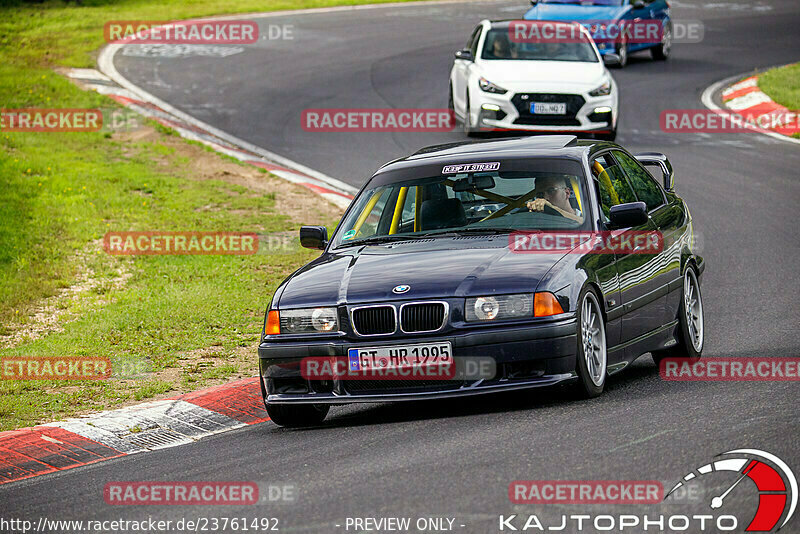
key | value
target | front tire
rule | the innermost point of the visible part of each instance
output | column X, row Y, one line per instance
column 297, row 415
column 591, row 363
column 691, row 332
column 622, row 52
column 451, row 107
column 468, row 129
column 661, row 52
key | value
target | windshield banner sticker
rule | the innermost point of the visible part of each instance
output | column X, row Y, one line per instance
column 471, row 167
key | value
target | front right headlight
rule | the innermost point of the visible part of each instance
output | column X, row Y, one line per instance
column 499, row 307
column 308, row 321
column 603, row 90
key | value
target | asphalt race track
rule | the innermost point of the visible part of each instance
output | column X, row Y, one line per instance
column 456, row 458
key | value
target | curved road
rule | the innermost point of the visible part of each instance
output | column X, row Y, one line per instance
column 456, row 459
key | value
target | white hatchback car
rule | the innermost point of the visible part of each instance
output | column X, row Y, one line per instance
column 502, row 83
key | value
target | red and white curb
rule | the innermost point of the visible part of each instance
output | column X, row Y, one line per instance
column 337, row 192
column 52, row 447
column 746, row 99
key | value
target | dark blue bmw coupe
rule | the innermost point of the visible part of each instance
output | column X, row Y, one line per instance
column 533, row 254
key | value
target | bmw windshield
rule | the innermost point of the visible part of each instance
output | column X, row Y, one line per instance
column 549, row 196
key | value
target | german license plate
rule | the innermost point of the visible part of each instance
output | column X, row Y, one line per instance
column 400, row 356
column 549, row 108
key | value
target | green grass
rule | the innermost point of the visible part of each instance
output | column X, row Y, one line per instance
column 61, row 192
column 782, row 85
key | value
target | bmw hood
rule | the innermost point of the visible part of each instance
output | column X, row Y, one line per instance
column 574, row 12
column 369, row 274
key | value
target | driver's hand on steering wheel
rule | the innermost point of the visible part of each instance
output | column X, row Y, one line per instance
column 538, row 204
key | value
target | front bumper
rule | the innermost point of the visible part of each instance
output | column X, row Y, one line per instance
column 526, row 356
column 586, row 114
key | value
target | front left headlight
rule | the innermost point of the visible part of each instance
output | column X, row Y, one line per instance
column 309, row 321
column 603, row 90
column 499, row 307
column 488, row 87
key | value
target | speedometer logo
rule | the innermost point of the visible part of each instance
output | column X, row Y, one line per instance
column 775, row 483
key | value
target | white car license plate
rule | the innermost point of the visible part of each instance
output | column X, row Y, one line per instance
column 400, row 356
column 549, row 108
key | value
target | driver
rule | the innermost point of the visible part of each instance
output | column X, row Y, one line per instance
column 553, row 192
column 502, row 49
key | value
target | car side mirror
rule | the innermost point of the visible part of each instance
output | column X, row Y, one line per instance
column 611, row 59
column 657, row 159
column 638, row 4
column 627, row 215
column 464, row 54
column 534, row 2
column 314, row 237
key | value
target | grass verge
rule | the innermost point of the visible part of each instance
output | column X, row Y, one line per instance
column 782, row 85
column 167, row 323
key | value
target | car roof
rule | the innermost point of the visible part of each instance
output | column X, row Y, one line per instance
column 515, row 148
column 505, row 23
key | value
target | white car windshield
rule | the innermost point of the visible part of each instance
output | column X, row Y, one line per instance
column 498, row 46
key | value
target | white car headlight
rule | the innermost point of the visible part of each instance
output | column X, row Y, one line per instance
column 309, row 321
column 499, row 307
column 488, row 87
column 603, row 90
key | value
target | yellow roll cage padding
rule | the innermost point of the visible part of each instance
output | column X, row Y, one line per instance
column 574, row 183
column 417, row 203
column 398, row 210
column 366, row 211
column 602, row 175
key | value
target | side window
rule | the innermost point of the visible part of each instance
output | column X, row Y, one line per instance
column 473, row 44
column 472, row 37
column 611, row 184
column 643, row 184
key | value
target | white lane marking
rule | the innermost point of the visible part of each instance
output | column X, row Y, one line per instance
column 179, row 50
column 106, row 64
column 641, row 440
column 150, row 426
column 51, row 440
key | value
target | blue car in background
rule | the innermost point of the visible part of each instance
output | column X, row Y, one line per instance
column 648, row 22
